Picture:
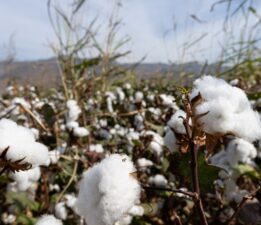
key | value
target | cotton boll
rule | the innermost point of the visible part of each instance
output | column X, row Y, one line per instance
column 156, row 148
column 21, row 143
column 136, row 210
column 143, row 162
column 151, row 97
column 168, row 101
column 80, row 132
column 109, row 100
column 228, row 109
column 8, row 218
column 170, row 141
column 24, row 179
column 60, row 211
column 72, row 125
column 121, row 94
column 108, row 191
column 54, row 156
column 138, row 97
column 176, row 122
column 239, row 150
column 103, row 123
column 125, row 220
column 10, row 90
column 232, row 192
column 21, row 101
column 155, row 136
column 234, row 82
column 96, row 148
column 54, row 187
column 139, row 122
column 127, row 86
column 158, row 180
column 49, row 220
column 70, row 200
column 35, row 132
column 73, row 110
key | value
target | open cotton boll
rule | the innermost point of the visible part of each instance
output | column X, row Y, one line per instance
column 138, row 97
column 61, row 211
column 168, row 101
column 73, row 110
column 35, row 132
column 228, row 109
column 158, row 180
column 21, row 143
column 127, row 86
column 232, row 192
column 176, row 122
column 70, row 201
column 49, row 220
column 156, row 148
column 80, row 132
column 239, row 150
column 136, row 210
column 170, row 141
column 8, row 218
column 143, row 162
column 125, row 220
column 24, row 179
column 72, row 125
column 108, row 191
column 54, row 156
column 120, row 94
column 96, row 148
column 21, row 101
column 139, row 122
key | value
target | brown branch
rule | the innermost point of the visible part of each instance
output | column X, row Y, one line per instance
column 190, row 194
column 241, row 204
column 194, row 169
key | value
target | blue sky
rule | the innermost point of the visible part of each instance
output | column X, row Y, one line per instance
column 149, row 24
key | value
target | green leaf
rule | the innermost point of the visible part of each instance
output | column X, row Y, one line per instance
column 48, row 114
column 23, row 219
column 22, row 201
column 252, row 10
column 207, row 173
column 248, row 170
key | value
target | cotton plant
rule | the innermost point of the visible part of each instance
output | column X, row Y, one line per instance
column 108, row 191
column 72, row 116
column 48, row 220
column 18, row 147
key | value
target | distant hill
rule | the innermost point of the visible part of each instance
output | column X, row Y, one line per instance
column 45, row 73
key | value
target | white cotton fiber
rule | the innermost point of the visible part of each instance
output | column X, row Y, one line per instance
column 170, row 141
column 48, row 220
column 143, row 162
column 21, row 143
column 73, row 110
column 108, row 191
column 158, row 180
column 176, row 122
column 240, row 151
column 80, row 132
column 24, row 179
column 60, row 211
column 229, row 110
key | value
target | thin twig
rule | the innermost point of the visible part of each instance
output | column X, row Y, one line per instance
column 39, row 122
column 190, row 194
column 74, row 173
column 241, row 204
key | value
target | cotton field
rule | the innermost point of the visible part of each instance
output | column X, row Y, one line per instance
column 134, row 154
